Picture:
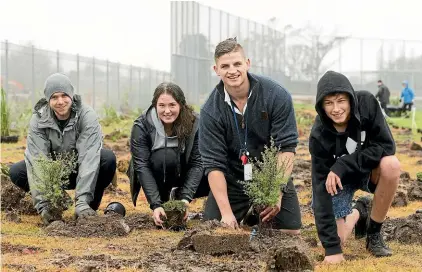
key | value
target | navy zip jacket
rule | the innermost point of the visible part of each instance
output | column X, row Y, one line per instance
column 351, row 155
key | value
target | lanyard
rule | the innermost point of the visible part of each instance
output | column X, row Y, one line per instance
column 244, row 147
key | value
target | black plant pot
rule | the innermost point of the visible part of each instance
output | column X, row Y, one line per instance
column 10, row 139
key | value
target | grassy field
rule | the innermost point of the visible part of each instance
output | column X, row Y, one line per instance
column 17, row 238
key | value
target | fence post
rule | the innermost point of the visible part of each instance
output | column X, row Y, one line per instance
column 107, row 86
column 93, row 83
column 6, row 74
column 33, row 74
column 77, row 74
column 58, row 61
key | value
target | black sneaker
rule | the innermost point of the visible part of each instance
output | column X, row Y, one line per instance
column 363, row 205
column 376, row 246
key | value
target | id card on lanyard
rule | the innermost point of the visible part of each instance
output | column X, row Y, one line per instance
column 243, row 154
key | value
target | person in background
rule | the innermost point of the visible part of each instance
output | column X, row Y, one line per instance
column 407, row 96
column 383, row 96
column 165, row 154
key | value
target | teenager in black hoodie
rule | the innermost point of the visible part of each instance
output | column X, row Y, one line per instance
column 352, row 148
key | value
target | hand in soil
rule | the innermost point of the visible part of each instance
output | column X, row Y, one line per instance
column 334, row 259
column 157, row 214
column 331, row 184
column 230, row 221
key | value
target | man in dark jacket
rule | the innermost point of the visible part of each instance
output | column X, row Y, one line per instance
column 62, row 123
column 351, row 148
column 383, row 95
column 237, row 121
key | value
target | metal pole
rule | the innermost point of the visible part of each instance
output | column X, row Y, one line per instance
column 77, row 74
column 58, row 61
column 339, row 58
column 33, row 75
column 93, row 83
column 221, row 25
column 107, row 82
column 6, row 75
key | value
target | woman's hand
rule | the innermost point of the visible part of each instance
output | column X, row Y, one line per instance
column 156, row 215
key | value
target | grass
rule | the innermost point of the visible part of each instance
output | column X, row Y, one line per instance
column 140, row 243
column 407, row 122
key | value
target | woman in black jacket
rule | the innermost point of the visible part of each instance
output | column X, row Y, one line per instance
column 164, row 149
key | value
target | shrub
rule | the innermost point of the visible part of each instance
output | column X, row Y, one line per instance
column 267, row 178
column 51, row 174
column 419, row 176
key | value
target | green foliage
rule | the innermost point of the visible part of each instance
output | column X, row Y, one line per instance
column 174, row 205
column 5, row 115
column 23, row 119
column 4, row 169
column 267, row 178
column 395, row 101
column 110, row 116
column 51, row 176
column 419, row 176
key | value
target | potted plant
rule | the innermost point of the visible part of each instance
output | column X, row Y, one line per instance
column 175, row 211
column 5, row 121
column 268, row 178
column 51, row 175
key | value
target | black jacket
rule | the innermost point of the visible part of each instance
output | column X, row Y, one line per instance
column 140, row 172
column 369, row 139
column 383, row 94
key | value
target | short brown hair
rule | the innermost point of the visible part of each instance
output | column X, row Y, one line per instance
column 227, row 46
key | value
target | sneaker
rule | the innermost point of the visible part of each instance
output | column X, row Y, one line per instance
column 363, row 205
column 376, row 246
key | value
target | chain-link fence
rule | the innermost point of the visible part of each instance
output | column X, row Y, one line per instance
column 100, row 82
column 294, row 57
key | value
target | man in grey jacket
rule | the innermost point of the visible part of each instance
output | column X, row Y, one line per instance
column 62, row 123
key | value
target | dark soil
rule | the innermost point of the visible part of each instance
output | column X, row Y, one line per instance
column 21, row 267
column 21, row 249
column 96, row 226
column 415, row 146
column 114, row 190
column 15, row 199
column 220, row 243
column 415, row 191
column 174, row 220
column 302, row 171
column 10, row 139
column 407, row 230
column 400, row 199
column 122, row 165
column 139, row 221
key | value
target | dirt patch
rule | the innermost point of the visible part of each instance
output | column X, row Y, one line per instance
column 220, row 243
column 415, row 191
column 123, row 165
column 400, row 199
column 10, row 248
column 21, row 267
column 139, row 221
column 407, row 230
column 419, row 162
column 98, row 226
column 15, row 199
column 13, row 216
column 114, row 190
column 415, row 146
column 302, row 171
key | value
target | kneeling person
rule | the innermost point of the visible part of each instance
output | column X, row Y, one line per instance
column 62, row 123
column 352, row 148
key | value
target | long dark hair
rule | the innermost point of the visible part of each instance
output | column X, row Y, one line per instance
column 183, row 125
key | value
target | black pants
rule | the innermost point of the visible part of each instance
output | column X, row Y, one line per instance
column 18, row 175
column 407, row 106
column 288, row 218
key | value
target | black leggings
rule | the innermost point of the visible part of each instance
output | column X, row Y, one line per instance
column 18, row 175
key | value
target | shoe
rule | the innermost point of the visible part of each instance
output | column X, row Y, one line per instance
column 363, row 205
column 376, row 246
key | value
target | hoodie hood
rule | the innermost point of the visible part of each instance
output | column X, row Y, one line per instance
column 332, row 82
column 406, row 83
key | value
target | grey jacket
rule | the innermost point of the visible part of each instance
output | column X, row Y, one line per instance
column 82, row 134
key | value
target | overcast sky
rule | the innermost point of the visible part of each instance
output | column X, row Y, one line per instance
column 138, row 32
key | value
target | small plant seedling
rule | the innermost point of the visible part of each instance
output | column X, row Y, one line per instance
column 175, row 212
column 51, row 175
column 268, row 178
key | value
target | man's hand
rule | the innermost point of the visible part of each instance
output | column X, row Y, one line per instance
column 331, row 184
column 334, row 259
column 187, row 209
column 156, row 215
column 271, row 211
column 230, row 220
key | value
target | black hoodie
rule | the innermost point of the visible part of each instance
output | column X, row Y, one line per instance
column 350, row 162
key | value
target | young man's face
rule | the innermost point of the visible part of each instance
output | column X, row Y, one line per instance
column 337, row 108
column 61, row 103
column 379, row 83
column 232, row 68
